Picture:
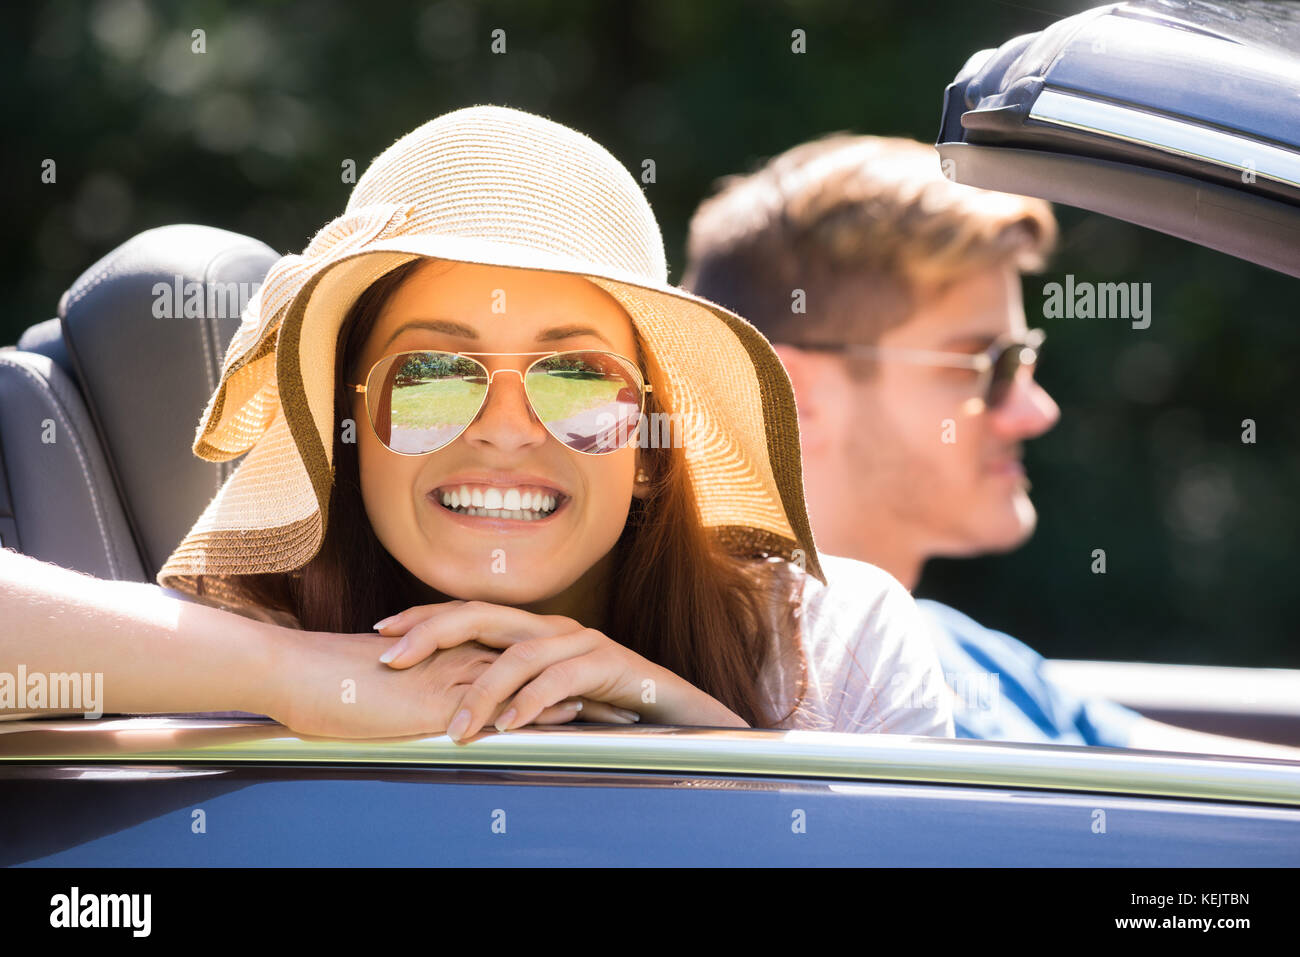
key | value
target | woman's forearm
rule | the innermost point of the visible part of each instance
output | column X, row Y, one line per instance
column 155, row 653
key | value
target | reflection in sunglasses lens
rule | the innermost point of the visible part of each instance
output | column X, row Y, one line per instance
column 589, row 401
column 421, row 401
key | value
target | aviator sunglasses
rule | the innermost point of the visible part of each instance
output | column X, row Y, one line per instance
column 997, row 366
column 418, row 402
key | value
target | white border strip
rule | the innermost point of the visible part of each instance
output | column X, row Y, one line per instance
column 1167, row 135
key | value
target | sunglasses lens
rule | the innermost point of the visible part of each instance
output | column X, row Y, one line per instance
column 1008, row 364
column 420, row 401
column 590, row 401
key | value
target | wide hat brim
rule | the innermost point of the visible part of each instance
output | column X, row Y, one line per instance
column 724, row 382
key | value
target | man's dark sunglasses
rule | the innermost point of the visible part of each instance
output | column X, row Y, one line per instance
column 996, row 366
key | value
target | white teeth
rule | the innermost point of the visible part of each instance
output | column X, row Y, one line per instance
column 518, row 514
column 527, row 506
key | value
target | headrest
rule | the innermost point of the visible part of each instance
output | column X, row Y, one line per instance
column 146, row 329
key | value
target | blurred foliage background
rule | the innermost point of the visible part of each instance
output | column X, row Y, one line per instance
column 1147, row 461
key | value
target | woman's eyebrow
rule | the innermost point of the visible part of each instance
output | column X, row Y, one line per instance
column 446, row 326
column 570, row 332
column 451, row 328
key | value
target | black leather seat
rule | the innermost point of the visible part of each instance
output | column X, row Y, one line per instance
column 98, row 406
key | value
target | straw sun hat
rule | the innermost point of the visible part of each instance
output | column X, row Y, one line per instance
column 501, row 187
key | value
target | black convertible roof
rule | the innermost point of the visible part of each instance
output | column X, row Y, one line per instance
column 1180, row 116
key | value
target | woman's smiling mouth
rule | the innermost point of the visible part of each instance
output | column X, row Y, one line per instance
column 515, row 503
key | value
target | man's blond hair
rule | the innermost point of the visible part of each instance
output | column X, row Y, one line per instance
column 862, row 229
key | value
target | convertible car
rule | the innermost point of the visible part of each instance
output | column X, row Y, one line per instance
column 1180, row 117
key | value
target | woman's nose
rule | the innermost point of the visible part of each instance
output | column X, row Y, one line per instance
column 506, row 420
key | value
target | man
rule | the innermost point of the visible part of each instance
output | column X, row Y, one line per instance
column 882, row 286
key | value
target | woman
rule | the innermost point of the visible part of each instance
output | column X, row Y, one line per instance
column 443, row 404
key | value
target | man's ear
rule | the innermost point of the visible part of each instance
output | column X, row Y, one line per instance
column 806, row 378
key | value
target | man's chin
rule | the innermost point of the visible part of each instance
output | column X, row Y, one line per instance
column 1017, row 525
column 1001, row 526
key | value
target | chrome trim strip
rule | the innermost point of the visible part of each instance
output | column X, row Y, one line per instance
column 1244, row 691
column 1164, row 133
column 809, row 754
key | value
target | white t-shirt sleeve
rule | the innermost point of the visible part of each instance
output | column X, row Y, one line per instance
column 871, row 666
column 906, row 693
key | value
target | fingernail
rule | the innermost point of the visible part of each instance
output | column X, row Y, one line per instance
column 380, row 625
column 459, row 724
column 577, row 706
column 629, row 715
column 393, row 652
column 503, row 722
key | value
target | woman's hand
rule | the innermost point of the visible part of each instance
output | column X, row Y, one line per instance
column 545, row 659
column 331, row 685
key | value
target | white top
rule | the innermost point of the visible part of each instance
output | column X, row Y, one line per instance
column 870, row 665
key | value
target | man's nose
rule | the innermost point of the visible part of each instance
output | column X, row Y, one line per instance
column 506, row 420
column 1026, row 410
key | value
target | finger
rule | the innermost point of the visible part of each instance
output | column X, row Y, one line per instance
column 601, row 712
column 558, row 713
column 562, row 713
column 594, row 712
column 586, row 675
column 516, row 666
column 497, row 626
column 399, row 623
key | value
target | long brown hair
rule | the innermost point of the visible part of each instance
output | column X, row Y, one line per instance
column 680, row 598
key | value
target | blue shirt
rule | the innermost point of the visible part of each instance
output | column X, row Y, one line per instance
column 1001, row 693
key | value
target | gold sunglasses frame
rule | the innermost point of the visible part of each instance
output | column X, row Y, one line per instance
column 491, row 374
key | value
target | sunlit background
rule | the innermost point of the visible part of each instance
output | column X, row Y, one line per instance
column 1146, row 463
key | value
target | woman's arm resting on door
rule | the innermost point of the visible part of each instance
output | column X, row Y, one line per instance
column 157, row 654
